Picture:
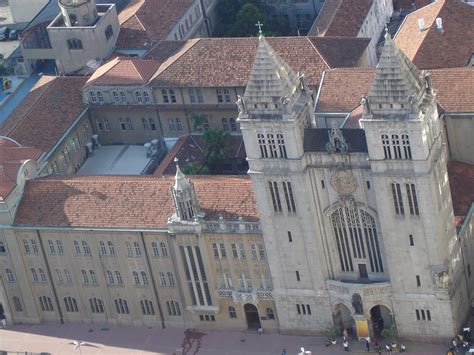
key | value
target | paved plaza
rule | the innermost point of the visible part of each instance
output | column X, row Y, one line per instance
column 57, row 339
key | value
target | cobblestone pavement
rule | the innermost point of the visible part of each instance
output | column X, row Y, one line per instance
column 57, row 339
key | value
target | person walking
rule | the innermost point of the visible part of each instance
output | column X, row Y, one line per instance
column 367, row 345
column 345, row 344
column 283, row 352
column 403, row 348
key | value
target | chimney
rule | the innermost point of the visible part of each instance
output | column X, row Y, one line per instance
column 439, row 25
column 421, row 24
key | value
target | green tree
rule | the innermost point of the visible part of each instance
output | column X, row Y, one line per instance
column 198, row 121
column 245, row 21
column 217, row 146
column 194, row 168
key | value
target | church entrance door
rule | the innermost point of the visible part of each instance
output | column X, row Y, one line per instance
column 251, row 314
column 381, row 318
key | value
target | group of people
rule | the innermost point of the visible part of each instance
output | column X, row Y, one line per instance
column 462, row 341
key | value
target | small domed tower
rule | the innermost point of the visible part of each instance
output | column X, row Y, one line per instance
column 78, row 12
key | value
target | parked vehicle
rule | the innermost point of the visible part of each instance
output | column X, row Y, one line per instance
column 13, row 36
column 4, row 32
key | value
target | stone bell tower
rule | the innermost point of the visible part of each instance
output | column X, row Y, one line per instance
column 184, row 198
column 78, row 12
column 409, row 168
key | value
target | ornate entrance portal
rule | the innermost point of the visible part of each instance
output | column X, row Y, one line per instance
column 251, row 314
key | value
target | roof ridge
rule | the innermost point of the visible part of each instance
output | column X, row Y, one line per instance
column 319, row 53
column 136, row 69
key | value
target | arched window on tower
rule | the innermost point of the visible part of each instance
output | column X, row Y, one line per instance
column 406, row 146
column 397, row 150
column 386, row 146
column 262, row 145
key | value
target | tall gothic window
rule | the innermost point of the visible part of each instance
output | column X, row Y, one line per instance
column 262, row 145
column 386, row 147
column 275, row 196
column 398, row 199
column 356, row 238
column 290, row 201
column 406, row 146
column 412, row 200
column 281, row 146
column 272, row 146
column 396, row 147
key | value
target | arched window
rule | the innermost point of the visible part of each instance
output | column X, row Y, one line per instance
column 281, row 146
column 397, row 151
column 154, row 246
column 111, row 247
column 116, row 97
column 171, row 279
column 136, row 278
column 144, row 278
column 92, row 97
column 93, row 277
column 233, row 125
column 272, row 146
column 34, row 275
column 74, row 43
column 406, row 146
column 17, row 304
column 146, row 96
column 110, row 278
column 138, row 96
column 85, row 248
column 103, row 250
column 85, row 278
column 262, row 145
column 164, row 250
column 46, row 304
column 97, row 305
column 77, row 248
column 147, row 307
column 232, row 312
column 71, row 304
column 225, row 125
column 356, row 238
column 386, row 147
column 118, row 276
column 270, row 314
column 173, row 308
column 42, row 275
column 100, row 97
column 122, row 306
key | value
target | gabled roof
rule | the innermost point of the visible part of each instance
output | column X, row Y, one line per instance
column 149, row 21
column 455, row 88
column 128, row 201
column 342, row 89
column 49, row 109
column 430, row 49
column 341, row 18
column 213, row 62
column 125, row 71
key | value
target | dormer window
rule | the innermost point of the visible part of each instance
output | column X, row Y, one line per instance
column 138, row 96
column 100, row 97
column 123, row 96
column 146, row 96
column 116, row 97
column 92, row 97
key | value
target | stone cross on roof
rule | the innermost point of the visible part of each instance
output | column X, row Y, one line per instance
column 259, row 25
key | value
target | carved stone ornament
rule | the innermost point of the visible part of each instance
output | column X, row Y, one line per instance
column 241, row 104
column 441, row 279
column 343, row 182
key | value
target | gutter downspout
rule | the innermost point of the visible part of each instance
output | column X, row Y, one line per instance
column 155, row 290
column 48, row 269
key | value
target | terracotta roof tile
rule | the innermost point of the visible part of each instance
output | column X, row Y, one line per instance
column 410, row 4
column 46, row 113
column 125, row 71
column 149, row 20
column 455, row 87
column 190, row 149
column 341, row 18
column 211, row 62
column 430, row 49
column 342, row 89
column 461, row 182
column 128, row 201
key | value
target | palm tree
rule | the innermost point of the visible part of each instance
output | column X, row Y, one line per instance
column 217, row 146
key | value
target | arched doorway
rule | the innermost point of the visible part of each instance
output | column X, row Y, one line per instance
column 380, row 318
column 343, row 319
column 251, row 314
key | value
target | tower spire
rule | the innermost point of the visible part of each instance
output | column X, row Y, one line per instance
column 398, row 87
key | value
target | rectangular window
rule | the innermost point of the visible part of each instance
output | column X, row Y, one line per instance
column 261, row 251
column 253, row 249
column 298, row 278
column 215, row 250
column 138, row 251
column 290, row 238
column 145, row 124
column 172, row 96
column 122, row 125
column 106, row 124
column 100, row 125
column 418, row 281
column 410, row 237
column 290, row 202
column 59, row 244
column 412, row 199
column 164, row 95
column 298, row 309
column 242, row 251
column 171, row 126
column 123, row 96
column 323, row 184
column 308, row 309
column 199, row 96
column 417, row 312
column 368, row 185
column 220, row 98
column 227, row 95
column 129, row 124
column 151, row 121
column 192, row 96
column 52, row 249
column 223, row 252
column 179, row 125
column 397, row 199
column 275, row 196
column 34, row 246
column 428, row 315
column 26, row 245
column 386, row 146
column 423, row 317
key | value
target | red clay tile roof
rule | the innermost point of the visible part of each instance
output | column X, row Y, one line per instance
column 125, row 71
column 455, row 87
column 430, row 49
column 190, row 149
column 46, row 113
column 149, row 21
column 343, row 88
column 461, row 182
column 211, row 62
column 128, row 201
column 408, row 4
column 341, row 18
column 11, row 158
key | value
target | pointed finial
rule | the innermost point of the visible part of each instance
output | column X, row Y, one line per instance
column 179, row 173
column 259, row 25
column 387, row 34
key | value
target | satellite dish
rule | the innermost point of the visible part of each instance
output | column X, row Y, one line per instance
column 93, row 64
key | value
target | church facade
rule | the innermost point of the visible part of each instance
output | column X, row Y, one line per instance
column 353, row 227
